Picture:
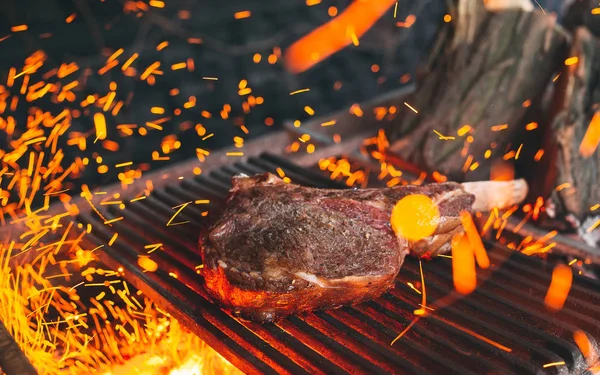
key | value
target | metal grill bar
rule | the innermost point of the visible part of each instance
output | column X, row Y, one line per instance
column 506, row 309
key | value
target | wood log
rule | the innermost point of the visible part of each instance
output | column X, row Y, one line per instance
column 575, row 185
column 494, row 66
column 12, row 359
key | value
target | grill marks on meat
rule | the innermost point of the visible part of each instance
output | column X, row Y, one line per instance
column 278, row 249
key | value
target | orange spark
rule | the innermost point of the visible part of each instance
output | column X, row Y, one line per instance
column 405, row 330
column 299, row 91
column 591, row 139
column 178, row 66
column 157, row 3
column 444, row 137
column 477, row 335
column 463, row 130
column 151, row 69
column 409, row 106
column 147, row 264
column 181, row 207
column 463, row 265
column 531, row 126
column 475, row 240
column 334, row 35
column 559, row 288
column 415, row 217
column 129, row 61
column 422, row 311
column 16, row 29
column 408, row 22
column 497, row 128
column 242, row 14
column 585, row 345
column 571, row 61
column 162, row 45
column 100, row 125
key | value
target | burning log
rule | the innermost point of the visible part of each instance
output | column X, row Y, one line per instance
column 476, row 92
column 573, row 143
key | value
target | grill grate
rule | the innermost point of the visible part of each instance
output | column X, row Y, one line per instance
column 502, row 327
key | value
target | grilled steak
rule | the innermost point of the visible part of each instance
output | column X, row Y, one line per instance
column 278, row 248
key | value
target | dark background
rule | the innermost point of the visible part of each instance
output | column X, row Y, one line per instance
column 226, row 52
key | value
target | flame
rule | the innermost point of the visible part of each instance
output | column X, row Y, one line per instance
column 590, row 140
column 463, row 265
column 338, row 33
column 559, row 288
column 475, row 240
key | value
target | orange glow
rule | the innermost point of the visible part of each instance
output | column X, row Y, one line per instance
column 415, row 217
column 422, row 311
column 338, row 33
column 16, row 29
column 147, row 264
column 408, row 22
column 242, row 14
column 583, row 342
column 531, row 126
column 590, row 140
column 596, row 11
column 447, row 18
column 475, row 240
column 502, row 171
column 463, row 265
column 157, row 3
column 100, row 125
column 538, row 155
column 571, row 61
column 559, row 288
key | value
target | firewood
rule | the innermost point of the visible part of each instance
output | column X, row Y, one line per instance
column 494, row 66
column 575, row 185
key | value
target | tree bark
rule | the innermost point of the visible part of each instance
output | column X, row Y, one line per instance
column 491, row 66
column 577, row 167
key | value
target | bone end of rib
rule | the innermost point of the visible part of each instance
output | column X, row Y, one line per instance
column 496, row 194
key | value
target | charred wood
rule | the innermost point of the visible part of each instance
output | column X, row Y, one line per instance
column 482, row 73
column 576, row 129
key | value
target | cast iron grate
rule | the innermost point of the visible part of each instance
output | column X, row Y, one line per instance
column 503, row 327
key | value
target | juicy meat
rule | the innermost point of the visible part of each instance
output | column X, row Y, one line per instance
column 277, row 248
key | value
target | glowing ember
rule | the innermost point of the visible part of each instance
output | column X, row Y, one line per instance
column 463, row 265
column 475, row 240
column 591, row 139
column 335, row 35
column 559, row 288
column 415, row 217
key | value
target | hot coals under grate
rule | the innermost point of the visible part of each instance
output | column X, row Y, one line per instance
column 502, row 327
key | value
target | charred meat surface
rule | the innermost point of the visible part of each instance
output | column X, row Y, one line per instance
column 278, row 249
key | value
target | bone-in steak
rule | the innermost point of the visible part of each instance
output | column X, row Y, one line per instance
column 278, row 248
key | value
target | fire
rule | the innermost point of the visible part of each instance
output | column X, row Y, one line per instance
column 338, row 33
column 463, row 265
column 559, row 288
column 591, row 139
